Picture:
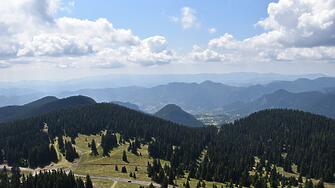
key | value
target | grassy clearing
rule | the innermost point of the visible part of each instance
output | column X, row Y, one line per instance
column 105, row 166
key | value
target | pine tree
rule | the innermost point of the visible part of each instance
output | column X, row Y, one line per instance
column 80, row 183
column 61, row 144
column 94, row 150
column 165, row 183
column 53, row 154
column 124, row 157
column 88, row 183
column 70, row 152
column 187, row 185
column 124, row 169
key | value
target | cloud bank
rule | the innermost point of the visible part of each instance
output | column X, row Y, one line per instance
column 28, row 29
column 294, row 30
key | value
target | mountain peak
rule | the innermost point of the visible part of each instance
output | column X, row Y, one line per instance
column 175, row 113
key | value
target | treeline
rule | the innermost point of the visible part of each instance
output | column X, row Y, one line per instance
column 108, row 142
column 53, row 179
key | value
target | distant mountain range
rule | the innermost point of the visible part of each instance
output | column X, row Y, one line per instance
column 43, row 105
column 175, row 114
column 200, row 97
column 315, row 102
column 151, row 80
column 312, row 95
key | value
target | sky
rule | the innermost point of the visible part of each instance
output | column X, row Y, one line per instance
column 66, row 39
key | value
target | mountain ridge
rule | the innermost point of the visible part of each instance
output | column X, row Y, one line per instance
column 43, row 105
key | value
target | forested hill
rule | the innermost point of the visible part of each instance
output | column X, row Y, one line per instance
column 281, row 137
column 175, row 114
column 18, row 138
column 43, row 105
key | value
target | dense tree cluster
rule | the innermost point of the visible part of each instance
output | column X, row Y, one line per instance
column 134, row 146
column 162, row 175
column 66, row 148
column 282, row 137
column 108, row 142
column 94, row 150
column 52, row 179
column 70, row 152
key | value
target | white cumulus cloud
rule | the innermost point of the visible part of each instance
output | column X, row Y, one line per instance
column 295, row 30
column 29, row 29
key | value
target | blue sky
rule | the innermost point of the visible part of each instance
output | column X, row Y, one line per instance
column 66, row 39
column 148, row 17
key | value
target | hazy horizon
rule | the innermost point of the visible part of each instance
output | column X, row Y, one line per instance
column 68, row 39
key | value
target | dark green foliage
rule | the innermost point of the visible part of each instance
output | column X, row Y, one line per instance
column 308, row 184
column 20, row 137
column 41, row 106
column 134, row 146
column 80, row 183
column 124, row 156
column 306, row 139
column 52, row 179
column 41, row 155
column 88, row 182
column 108, row 142
column 61, row 145
column 163, row 175
column 94, row 150
column 176, row 114
column 53, row 154
column 70, row 152
column 124, row 169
